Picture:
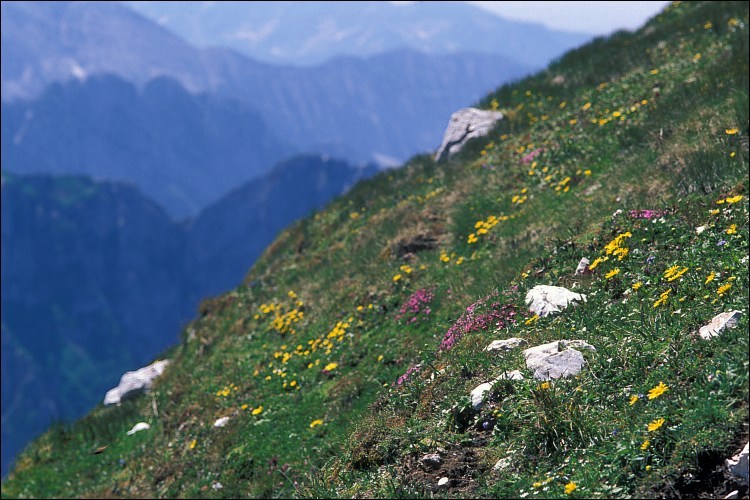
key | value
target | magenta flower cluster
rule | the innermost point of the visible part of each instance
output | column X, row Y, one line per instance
column 479, row 316
column 646, row 214
column 530, row 157
column 403, row 378
column 416, row 306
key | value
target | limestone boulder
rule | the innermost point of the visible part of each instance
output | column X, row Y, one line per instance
column 466, row 124
column 546, row 299
column 557, row 359
column 134, row 382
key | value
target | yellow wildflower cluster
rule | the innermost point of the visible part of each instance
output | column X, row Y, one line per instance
column 283, row 321
column 724, row 289
column 662, row 298
column 570, row 488
column 730, row 200
column 226, row 390
column 316, row 423
column 674, row 273
column 615, row 247
column 484, row 226
column 520, row 199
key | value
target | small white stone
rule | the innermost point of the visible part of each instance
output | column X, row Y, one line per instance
column 431, row 460
column 217, row 485
column 700, row 229
column 443, row 482
column 583, row 265
column 504, row 345
column 221, row 422
column 140, row 426
column 477, row 395
column 719, row 323
column 514, row 375
column 501, row 464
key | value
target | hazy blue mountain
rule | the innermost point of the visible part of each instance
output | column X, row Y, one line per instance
column 97, row 279
column 392, row 104
column 181, row 149
column 307, row 33
column 227, row 237
column 92, row 286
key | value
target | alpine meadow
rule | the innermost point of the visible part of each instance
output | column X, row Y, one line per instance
column 388, row 345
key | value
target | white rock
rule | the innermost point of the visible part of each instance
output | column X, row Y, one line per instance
column 465, row 124
column 432, row 460
column 719, row 323
column 546, row 299
column 583, row 265
column 138, row 380
column 514, row 375
column 140, row 426
column 504, row 345
column 501, row 464
column 478, row 393
column 738, row 464
column 556, row 359
column 700, row 229
column 443, row 481
column 732, row 495
column 221, row 422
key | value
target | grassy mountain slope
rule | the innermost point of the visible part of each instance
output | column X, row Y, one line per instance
column 353, row 346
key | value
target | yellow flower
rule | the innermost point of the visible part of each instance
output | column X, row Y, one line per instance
column 645, row 444
column 570, row 488
column 732, row 229
column 586, row 106
column 380, row 358
column 544, row 385
column 316, row 422
column 633, row 400
column 662, row 298
column 636, row 286
column 655, row 424
column 714, row 211
column 257, row 410
column 597, row 261
column 708, row 25
column 731, row 131
column 396, row 278
column 723, row 289
column 658, row 390
column 531, row 319
column 331, row 366
column 710, row 278
column 244, row 407
column 614, row 272
column 734, row 199
column 674, row 272
column 193, row 443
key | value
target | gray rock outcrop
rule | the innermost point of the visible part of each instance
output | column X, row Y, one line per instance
column 135, row 381
column 466, row 124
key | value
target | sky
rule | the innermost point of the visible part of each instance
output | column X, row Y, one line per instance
column 597, row 18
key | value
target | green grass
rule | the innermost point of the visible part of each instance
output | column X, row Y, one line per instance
column 638, row 122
